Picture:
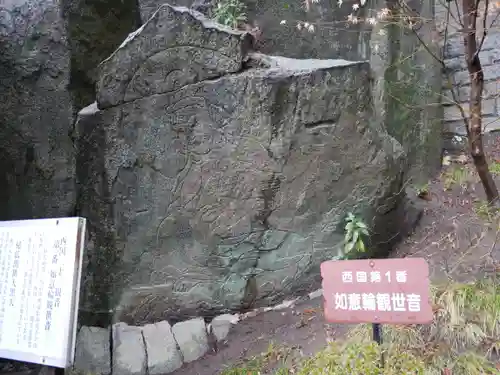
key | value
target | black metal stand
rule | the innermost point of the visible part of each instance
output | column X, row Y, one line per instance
column 377, row 337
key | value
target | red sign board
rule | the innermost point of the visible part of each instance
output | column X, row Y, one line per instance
column 394, row 291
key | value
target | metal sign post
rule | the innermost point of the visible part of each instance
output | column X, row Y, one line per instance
column 377, row 337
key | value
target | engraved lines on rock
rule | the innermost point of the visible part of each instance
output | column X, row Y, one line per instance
column 255, row 271
column 325, row 127
column 318, row 126
column 281, row 100
column 347, row 153
column 190, row 154
column 191, row 66
column 195, row 268
column 130, row 86
column 204, row 265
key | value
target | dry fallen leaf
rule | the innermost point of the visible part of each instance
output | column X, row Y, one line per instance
column 310, row 311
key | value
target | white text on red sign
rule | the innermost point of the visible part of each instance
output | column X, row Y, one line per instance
column 373, row 276
column 397, row 302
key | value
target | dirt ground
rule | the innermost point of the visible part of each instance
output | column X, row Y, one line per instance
column 457, row 235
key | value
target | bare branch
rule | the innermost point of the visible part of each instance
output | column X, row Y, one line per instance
column 460, row 18
column 494, row 20
column 485, row 29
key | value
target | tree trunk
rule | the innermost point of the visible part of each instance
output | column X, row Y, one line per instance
column 475, row 128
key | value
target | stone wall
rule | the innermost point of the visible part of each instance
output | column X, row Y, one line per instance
column 457, row 70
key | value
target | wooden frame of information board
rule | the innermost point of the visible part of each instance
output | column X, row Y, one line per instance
column 40, row 276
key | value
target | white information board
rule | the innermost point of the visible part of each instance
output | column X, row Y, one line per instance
column 40, row 273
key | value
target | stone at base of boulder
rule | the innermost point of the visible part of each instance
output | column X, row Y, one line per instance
column 316, row 294
column 129, row 352
column 92, row 354
column 221, row 325
column 161, row 347
column 191, row 336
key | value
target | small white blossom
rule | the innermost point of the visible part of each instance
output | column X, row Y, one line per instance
column 339, row 2
column 382, row 32
column 310, row 28
column 362, row 2
column 355, row 6
column 306, row 25
column 371, row 20
column 299, row 26
column 382, row 13
column 283, row 22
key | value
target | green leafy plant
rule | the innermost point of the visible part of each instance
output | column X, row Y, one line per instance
column 422, row 191
column 495, row 167
column 455, row 175
column 485, row 211
column 230, row 13
column 355, row 232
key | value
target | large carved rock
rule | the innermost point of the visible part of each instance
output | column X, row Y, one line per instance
column 217, row 180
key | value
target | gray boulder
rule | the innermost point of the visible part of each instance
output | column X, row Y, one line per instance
column 92, row 354
column 191, row 335
column 129, row 352
column 161, row 348
column 221, row 324
column 219, row 180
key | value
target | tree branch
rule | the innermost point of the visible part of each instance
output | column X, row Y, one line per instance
column 485, row 30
